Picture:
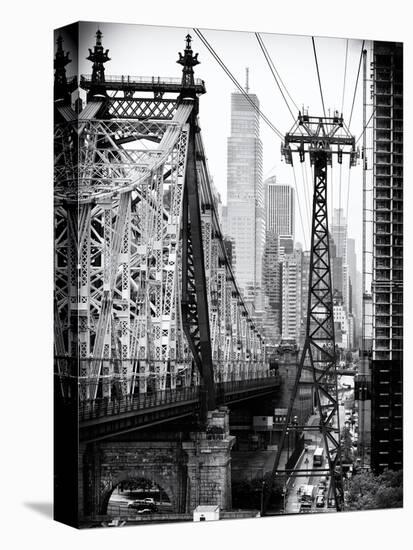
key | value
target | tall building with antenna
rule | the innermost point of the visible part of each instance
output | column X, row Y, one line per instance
column 245, row 194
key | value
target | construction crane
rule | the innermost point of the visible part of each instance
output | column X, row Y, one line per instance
column 321, row 138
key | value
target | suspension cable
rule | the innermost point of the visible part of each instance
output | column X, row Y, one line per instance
column 344, row 79
column 299, row 207
column 366, row 126
column 318, row 76
column 308, row 186
column 275, row 73
column 306, row 202
column 348, row 193
column 341, row 165
column 339, row 217
column 331, row 199
column 237, row 84
column 355, row 87
column 256, row 108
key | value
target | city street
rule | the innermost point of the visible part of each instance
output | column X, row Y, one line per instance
column 292, row 498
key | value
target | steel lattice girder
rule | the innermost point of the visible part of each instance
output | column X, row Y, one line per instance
column 140, row 108
column 318, row 354
column 118, row 269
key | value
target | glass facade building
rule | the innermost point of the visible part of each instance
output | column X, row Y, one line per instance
column 279, row 207
column 245, row 194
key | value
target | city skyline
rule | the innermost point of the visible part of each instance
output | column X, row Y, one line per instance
column 215, row 104
column 179, row 339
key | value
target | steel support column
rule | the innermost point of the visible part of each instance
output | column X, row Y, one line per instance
column 321, row 138
column 194, row 289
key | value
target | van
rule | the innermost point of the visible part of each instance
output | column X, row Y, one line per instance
column 305, row 508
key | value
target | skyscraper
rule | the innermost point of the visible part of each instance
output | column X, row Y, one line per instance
column 339, row 232
column 387, row 281
column 354, row 301
column 305, row 278
column 291, row 295
column 272, row 286
column 352, row 269
column 245, row 209
column 336, row 268
column 279, row 207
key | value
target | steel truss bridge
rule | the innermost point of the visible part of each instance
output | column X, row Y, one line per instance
column 148, row 315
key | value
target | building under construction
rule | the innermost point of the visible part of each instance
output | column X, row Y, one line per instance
column 387, row 273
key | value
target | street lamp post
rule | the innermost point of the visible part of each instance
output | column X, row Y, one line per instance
column 288, row 444
column 262, row 497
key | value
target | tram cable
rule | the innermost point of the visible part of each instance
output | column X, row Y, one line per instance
column 356, row 85
column 237, row 84
column 256, row 108
column 275, row 73
column 318, row 75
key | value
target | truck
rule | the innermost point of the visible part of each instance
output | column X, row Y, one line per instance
column 307, row 493
column 318, row 456
column 305, row 508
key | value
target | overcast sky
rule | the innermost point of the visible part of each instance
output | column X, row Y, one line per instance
column 153, row 51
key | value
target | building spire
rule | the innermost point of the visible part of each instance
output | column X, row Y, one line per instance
column 61, row 90
column 98, row 57
column 188, row 61
column 247, row 80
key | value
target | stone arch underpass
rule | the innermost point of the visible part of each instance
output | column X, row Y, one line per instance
column 108, row 464
column 191, row 472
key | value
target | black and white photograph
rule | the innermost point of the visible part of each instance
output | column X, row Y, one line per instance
column 228, row 275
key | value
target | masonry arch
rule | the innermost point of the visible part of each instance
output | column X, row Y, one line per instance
column 139, row 485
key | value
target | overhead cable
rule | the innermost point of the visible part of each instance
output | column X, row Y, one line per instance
column 299, row 208
column 344, row 79
column 355, row 87
column 318, row 75
column 275, row 73
column 237, row 84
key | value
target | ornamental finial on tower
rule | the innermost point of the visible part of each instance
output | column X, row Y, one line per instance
column 99, row 38
column 98, row 58
column 188, row 61
column 61, row 91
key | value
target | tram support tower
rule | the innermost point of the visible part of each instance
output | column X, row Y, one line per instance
column 320, row 138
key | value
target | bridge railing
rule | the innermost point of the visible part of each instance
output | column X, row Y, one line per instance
column 249, row 384
column 89, row 409
column 131, row 79
column 92, row 409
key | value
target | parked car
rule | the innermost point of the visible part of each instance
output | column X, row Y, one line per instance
column 331, row 503
column 320, row 501
column 305, row 508
column 143, row 507
column 300, row 489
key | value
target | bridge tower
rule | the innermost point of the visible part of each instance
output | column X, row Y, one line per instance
column 150, row 326
column 320, row 138
column 61, row 90
column 194, row 302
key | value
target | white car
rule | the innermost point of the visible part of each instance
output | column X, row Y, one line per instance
column 320, row 501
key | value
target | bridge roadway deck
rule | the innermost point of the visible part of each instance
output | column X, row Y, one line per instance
column 101, row 419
